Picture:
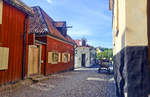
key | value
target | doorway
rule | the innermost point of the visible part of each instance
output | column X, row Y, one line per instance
column 34, row 60
column 83, row 60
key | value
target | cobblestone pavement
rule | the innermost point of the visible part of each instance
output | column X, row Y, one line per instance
column 84, row 82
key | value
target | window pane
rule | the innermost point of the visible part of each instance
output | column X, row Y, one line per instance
column 55, row 57
column 65, row 57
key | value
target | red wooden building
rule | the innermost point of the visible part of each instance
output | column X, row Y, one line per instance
column 56, row 48
column 14, row 23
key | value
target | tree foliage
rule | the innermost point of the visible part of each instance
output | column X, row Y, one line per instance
column 106, row 53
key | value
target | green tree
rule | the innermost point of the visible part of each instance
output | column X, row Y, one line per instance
column 107, row 53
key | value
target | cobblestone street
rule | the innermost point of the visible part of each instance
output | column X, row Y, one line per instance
column 84, row 82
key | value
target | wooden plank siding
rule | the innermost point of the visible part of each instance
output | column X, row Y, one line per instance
column 31, row 39
column 43, row 59
column 11, row 36
column 60, row 47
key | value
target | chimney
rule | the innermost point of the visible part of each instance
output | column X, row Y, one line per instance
column 84, row 41
column 61, row 27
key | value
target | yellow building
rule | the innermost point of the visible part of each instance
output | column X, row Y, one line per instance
column 131, row 28
column 98, row 50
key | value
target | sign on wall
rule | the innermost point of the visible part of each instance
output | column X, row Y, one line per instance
column 1, row 11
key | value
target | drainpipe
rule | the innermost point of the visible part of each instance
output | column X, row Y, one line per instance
column 45, row 60
column 74, row 53
column 24, row 47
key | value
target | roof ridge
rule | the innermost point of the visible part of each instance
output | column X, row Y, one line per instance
column 47, row 25
column 44, row 20
column 41, row 10
column 52, row 24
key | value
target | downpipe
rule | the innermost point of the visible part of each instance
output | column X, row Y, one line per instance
column 24, row 47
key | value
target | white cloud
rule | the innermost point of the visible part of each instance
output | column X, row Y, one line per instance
column 49, row 1
column 79, row 33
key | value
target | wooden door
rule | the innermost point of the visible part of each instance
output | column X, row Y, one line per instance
column 83, row 60
column 33, row 60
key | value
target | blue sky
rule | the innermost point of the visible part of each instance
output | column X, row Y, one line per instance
column 90, row 18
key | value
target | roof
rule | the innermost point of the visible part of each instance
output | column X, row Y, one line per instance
column 78, row 42
column 42, row 24
column 20, row 5
column 60, row 23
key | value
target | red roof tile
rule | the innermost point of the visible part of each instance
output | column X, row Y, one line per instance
column 78, row 42
column 60, row 24
column 41, row 23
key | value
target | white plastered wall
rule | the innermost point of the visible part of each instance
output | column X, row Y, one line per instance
column 132, row 24
column 78, row 56
column 119, row 39
column 136, row 18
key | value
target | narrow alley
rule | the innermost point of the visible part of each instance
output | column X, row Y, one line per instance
column 83, row 82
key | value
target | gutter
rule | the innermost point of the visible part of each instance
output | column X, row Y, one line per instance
column 19, row 5
column 51, row 35
column 24, row 47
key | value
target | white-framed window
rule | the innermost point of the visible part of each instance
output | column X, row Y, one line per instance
column 65, row 57
column 54, row 57
column 4, row 55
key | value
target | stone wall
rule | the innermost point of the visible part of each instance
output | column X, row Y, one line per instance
column 78, row 56
column 90, row 56
column 131, row 72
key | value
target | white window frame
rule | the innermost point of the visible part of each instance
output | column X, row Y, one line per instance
column 63, row 56
column 4, row 58
column 50, row 57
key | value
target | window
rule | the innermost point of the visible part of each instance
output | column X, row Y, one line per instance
column 4, row 54
column 1, row 10
column 65, row 57
column 54, row 57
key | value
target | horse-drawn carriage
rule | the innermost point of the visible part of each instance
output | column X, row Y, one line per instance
column 104, row 65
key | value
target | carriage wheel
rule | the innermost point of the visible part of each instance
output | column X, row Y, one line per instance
column 99, row 70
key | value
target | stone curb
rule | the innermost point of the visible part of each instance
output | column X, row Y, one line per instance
column 26, row 82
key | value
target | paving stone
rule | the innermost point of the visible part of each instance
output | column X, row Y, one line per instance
column 69, row 84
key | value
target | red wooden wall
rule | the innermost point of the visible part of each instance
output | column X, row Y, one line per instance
column 11, row 36
column 31, row 39
column 43, row 59
column 59, row 46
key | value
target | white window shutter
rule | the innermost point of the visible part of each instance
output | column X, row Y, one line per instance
column 49, row 57
column 68, row 57
column 4, row 55
column 63, row 57
column 1, row 11
column 59, row 60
